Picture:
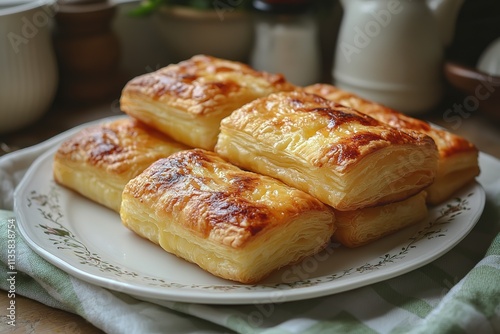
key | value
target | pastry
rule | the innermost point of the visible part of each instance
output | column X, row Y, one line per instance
column 99, row 160
column 345, row 158
column 235, row 224
column 363, row 226
column 458, row 158
column 187, row 100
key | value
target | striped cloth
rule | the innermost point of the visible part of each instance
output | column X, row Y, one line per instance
column 457, row 293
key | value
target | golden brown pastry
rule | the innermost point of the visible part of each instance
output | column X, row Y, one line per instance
column 99, row 160
column 344, row 158
column 187, row 100
column 234, row 224
column 458, row 158
column 363, row 226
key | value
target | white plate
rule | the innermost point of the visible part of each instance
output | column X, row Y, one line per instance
column 89, row 242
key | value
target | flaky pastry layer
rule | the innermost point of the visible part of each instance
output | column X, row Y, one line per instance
column 363, row 226
column 99, row 160
column 458, row 158
column 345, row 158
column 234, row 224
column 187, row 100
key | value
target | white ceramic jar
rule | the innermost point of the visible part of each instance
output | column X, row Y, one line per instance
column 287, row 40
column 288, row 45
column 28, row 69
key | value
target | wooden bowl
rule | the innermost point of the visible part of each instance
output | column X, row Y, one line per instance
column 482, row 90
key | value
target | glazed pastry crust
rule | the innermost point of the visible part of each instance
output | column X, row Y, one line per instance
column 458, row 158
column 363, row 226
column 344, row 158
column 234, row 224
column 99, row 160
column 187, row 100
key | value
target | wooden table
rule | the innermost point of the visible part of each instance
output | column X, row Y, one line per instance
column 34, row 317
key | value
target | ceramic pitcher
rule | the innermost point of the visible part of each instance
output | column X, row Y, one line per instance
column 391, row 51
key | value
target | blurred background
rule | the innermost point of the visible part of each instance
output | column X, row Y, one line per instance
column 98, row 45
